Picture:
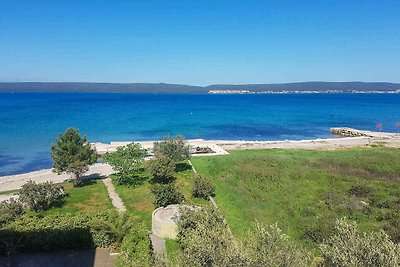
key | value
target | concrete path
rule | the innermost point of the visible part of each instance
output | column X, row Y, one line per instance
column 158, row 245
column 14, row 182
column 115, row 199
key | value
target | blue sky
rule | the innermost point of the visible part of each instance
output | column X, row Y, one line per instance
column 200, row 42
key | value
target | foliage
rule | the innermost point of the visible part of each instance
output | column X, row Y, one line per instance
column 166, row 194
column 162, row 169
column 203, row 187
column 206, row 241
column 176, row 148
column 127, row 162
column 348, row 247
column 10, row 210
column 36, row 232
column 135, row 248
column 72, row 154
column 268, row 246
column 360, row 190
column 40, row 197
column 249, row 186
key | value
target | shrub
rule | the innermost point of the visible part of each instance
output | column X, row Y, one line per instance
column 176, row 149
column 127, row 161
column 348, row 247
column 58, row 231
column 166, row 194
column 40, row 197
column 203, row 188
column 72, row 154
column 10, row 210
column 162, row 169
column 135, row 248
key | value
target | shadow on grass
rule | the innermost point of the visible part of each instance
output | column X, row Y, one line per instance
column 182, row 166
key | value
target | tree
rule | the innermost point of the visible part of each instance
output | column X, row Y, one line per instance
column 166, row 194
column 162, row 169
column 176, row 148
column 349, row 248
column 72, row 154
column 203, row 188
column 40, row 197
column 127, row 161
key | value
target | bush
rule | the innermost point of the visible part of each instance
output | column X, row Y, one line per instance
column 40, row 197
column 162, row 169
column 10, row 210
column 348, row 247
column 127, row 161
column 58, row 232
column 176, row 149
column 166, row 194
column 203, row 188
column 135, row 248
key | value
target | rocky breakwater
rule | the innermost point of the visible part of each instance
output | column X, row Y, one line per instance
column 349, row 132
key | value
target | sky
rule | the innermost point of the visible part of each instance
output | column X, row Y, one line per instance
column 200, row 42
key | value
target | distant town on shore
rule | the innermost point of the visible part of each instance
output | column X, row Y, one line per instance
column 165, row 88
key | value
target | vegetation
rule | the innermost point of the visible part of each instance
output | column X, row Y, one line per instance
column 206, row 241
column 349, row 248
column 40, row 197
column 305, row 192
column 203, row 187
column 10, row 210
column 127, row 161
column 162, row 169
column 166, row 194
column 176, row 149
column 72, row 154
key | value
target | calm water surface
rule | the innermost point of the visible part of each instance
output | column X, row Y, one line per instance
column 30, row 122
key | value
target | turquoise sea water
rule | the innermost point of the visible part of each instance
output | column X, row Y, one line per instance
column 30, row 122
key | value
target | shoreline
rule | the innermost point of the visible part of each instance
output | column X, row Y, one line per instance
column 220, row 147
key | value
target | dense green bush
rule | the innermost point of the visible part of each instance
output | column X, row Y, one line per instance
column 203, row 187
column 206, row 241
column 165, row 195
column 135, row 248
column 127, row 161
column 40, row 197
column 10, row 210
column 162, row 169
column 176, row 148
column 58, row 231
column 349, row 248
column 72, row 153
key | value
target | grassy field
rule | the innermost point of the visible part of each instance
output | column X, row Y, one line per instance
column 306, row 191
column 140, row 201
column 91, row 197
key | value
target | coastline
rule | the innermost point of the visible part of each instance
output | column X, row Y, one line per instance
column 220, row 147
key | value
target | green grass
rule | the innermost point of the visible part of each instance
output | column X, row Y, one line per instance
column 139, row 200
column 91, row 197
column 306, row 191
column 174, row 249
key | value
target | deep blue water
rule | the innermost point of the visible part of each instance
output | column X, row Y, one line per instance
column 30, row 122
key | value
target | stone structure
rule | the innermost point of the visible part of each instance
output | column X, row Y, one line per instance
column 163, row 221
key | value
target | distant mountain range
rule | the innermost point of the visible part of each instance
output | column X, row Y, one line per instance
column 164, row 88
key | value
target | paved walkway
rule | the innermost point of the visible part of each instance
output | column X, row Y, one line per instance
column 115, row 199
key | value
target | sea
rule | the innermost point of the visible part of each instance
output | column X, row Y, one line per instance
column 31, row 122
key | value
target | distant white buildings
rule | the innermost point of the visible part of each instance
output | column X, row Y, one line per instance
column 229, row 92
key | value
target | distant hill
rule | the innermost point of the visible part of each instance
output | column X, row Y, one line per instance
column 164, row 88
